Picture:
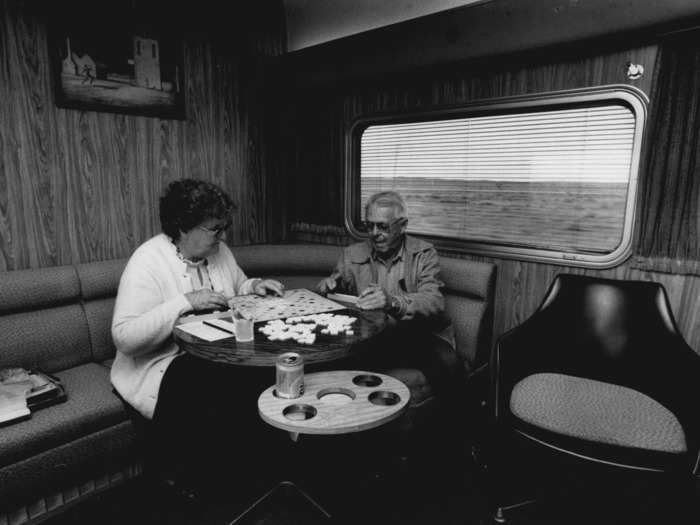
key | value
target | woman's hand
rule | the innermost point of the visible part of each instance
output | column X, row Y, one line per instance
column 265, row 286
column 206, row 300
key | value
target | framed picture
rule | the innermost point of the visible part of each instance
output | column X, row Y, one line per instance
column 124, row 62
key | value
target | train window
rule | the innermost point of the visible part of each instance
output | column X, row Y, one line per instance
column 551, row 177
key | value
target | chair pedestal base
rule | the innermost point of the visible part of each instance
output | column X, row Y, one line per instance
column 500, row 514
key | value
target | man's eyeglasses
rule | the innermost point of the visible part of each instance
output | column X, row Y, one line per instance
column 382, row 227
column 217, row 231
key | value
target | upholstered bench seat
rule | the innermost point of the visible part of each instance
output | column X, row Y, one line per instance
column 58, row 320
column 91, row 406
column 596, row 411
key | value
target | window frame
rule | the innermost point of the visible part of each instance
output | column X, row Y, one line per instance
column 630, row 96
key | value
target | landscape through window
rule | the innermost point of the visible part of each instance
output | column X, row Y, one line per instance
column 549, row 180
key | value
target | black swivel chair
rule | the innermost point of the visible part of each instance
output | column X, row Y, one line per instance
column 601, row 376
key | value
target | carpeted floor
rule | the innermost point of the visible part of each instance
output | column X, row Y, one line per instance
column 406, row 493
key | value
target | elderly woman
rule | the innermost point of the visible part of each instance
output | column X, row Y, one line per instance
column 185, row 269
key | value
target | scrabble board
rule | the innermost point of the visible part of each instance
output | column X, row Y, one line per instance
column 294, row 303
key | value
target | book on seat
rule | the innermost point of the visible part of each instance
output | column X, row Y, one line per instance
column 24, row 391
column 13, row 406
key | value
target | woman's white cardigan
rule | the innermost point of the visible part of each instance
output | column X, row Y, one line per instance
column 150, row 300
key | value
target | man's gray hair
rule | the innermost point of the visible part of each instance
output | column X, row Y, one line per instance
column 387, row 199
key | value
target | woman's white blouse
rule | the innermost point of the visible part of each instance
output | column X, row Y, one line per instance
column 150, row 300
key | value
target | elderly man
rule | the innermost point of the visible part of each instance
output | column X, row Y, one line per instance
column 399, row 274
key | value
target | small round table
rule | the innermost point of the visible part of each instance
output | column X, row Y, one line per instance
column 262, row 352
column 336, row 402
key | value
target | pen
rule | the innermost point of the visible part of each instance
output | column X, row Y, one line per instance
column 218, row 327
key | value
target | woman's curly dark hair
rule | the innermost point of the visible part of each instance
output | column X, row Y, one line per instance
column 187, row 203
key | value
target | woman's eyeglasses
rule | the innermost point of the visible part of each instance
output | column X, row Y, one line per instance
column 217, row 231
column 382, row 227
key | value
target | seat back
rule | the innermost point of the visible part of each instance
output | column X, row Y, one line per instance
column 469, row 297
column 58, row 317
column 612, row 330
column 296, row 265
column 615, row 320
column 99, row 282
column 41, row 320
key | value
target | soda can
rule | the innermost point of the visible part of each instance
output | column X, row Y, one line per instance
column 290, row 375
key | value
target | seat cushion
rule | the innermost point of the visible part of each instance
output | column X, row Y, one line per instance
column 62, row 475
column 91, row 406
column 416, row 382
column 596, row 411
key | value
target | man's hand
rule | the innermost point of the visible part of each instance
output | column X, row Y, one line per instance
column 373, row 298
column 328, row 284
column 206, row 299
column 265, row 286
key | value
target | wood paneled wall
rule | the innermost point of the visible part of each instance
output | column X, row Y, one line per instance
column 79, row 186
column 322, row 114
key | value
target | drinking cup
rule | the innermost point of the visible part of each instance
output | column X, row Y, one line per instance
column 244, row 328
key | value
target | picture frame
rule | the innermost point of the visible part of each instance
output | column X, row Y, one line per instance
column 127, row 63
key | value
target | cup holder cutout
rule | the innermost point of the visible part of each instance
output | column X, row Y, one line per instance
column 367, row 380
column 299, row 412
column 384, row 398
column 336, row 396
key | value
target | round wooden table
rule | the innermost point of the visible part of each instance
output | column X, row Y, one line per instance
column 336, row 402
column 262, row 352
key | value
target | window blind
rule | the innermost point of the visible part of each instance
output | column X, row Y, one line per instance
column 553, row 179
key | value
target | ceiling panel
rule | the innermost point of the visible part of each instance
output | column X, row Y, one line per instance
column 312, row 22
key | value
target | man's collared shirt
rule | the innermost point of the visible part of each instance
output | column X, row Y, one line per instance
column 416, row 284
column 389, row 274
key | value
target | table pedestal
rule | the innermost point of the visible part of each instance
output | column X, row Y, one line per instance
column 285, row 503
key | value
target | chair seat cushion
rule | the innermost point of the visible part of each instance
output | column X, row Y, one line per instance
column 416, row 382
column 596, row 411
